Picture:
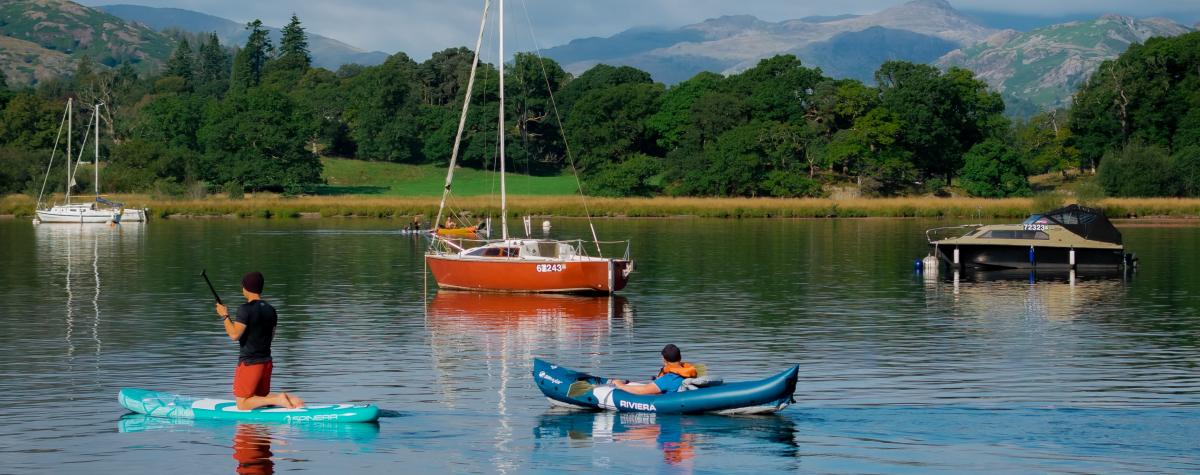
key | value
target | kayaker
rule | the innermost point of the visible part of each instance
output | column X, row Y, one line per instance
column 254, row 328
column 670, row 377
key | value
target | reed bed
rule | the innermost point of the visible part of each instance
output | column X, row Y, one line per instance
column 273, row 206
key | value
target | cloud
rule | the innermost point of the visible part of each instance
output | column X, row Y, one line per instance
column 420, row 27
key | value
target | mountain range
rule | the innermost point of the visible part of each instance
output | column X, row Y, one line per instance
column 326, row 52
column 42, row 39
column 1035, row 70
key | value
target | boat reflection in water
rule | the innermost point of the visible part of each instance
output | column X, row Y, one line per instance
column 503, row 331
column 81, row 257
column 255, row 445
column 1050, row 294
column 678, row 438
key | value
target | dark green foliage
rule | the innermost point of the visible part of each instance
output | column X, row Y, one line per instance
column 609, row 124
column 993, row 170
column 632, row 177
column 1137, row 170
column 250, row 63
column 212, row 61
column 944, row 115
column 1185, row 165
column 382, row 104
column 257, row 138
column 181, row 63
column 22, row 170
column 138, row 164
column 1147, row 95
column 293, row 47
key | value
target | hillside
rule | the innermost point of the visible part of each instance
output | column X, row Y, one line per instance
column 45, row 38
column 919, row 30
column 1043, row 67
column 326, row 52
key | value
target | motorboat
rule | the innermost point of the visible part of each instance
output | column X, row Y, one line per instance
column 1072, row 237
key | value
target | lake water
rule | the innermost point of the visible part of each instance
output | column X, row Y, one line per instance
column 899, row 374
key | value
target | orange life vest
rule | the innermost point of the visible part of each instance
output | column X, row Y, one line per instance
column 684, row 369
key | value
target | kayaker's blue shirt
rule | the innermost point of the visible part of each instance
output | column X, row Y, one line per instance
column 669, row 382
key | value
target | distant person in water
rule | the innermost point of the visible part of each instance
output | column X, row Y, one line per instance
column 450, row 224
column 669, row 378
column 415, row 224
column 254, row 328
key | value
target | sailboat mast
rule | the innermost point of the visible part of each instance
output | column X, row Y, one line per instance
column 503, row 191
column 70, row 157
column 462, row 118
column 96, row 161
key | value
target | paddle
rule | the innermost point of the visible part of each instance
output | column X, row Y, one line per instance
column 204, row 274
column 581, row 387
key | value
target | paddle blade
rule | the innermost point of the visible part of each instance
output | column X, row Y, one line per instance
column 579, row 388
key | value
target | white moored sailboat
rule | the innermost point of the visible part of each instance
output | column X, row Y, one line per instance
column 99, row 210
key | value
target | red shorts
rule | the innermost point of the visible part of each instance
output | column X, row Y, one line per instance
column 252, row 379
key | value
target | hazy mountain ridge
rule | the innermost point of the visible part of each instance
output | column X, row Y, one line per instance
column 326, row 52
column 733, row 43
column 45, row 38
column 1044, row 66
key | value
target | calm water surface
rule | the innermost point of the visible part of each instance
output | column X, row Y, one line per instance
column 899, row 374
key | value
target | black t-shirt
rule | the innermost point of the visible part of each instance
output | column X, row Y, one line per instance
column 259, row 318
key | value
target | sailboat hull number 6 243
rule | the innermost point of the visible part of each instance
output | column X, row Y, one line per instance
column 551, row 267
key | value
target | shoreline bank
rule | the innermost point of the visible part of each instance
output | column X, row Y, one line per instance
column 358, row 206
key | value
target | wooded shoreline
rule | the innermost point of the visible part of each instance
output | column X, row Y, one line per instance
column 276, row 206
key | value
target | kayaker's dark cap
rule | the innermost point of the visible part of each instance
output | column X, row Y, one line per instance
column 253, row 282
column 671, row 353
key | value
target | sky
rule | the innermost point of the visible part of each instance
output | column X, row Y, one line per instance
column 420, row 27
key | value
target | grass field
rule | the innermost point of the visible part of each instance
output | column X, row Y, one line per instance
column 356, row 177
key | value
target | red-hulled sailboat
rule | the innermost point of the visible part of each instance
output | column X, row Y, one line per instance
column 516, row 265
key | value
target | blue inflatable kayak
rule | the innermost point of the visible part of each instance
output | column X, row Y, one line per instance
column 160, row 404
column 747, row 397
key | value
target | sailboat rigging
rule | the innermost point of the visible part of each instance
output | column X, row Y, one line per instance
column 508, row 264
column 101, row 210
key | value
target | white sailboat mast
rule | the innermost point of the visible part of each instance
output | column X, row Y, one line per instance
column 96, row 161
column 503, row 191
column 70, row 177
column 462, row 118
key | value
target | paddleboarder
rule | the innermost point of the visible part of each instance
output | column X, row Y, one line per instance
column 670, row 377
column 254, row 327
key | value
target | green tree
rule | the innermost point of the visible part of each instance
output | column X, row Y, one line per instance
column 1137, row 170
column 993, row 170
column 674, row 117
column 258, row 138
column 213, row 62
column 250, row 63
column 778, row 88
column 944, row 114
column 607, row 125
column 600, row 76
column 293, row 47
column 531, row 80
column 181, row 63
column 29, row 122
column 1186, row 170
column 382, row 102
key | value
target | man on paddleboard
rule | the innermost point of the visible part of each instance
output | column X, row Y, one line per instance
column 670, row 377
column 254, row 328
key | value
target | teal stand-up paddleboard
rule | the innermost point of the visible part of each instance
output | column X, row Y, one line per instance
column 160, row 404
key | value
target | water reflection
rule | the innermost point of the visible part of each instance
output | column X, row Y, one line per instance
column 473, row 333
column 679, row 438
column 1052, row 295
column 77, row 253
column 256, row 446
